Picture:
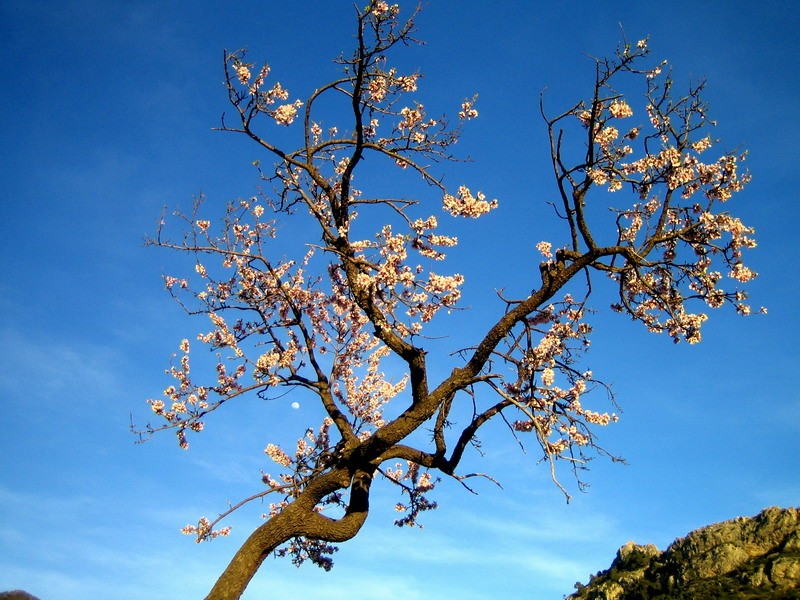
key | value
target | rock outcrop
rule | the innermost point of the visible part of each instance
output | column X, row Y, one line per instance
column 17, row 595
column 754, row 558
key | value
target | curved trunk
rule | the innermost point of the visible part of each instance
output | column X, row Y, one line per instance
column 297, row 519
column 247, row 560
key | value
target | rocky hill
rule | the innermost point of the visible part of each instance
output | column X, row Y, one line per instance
column 17, row 595
column 754, row 558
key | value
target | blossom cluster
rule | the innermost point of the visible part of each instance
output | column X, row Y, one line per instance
column 365, row 397
column 677, row 242
column 405, row 293
column 382, row 9
column 262, row 99
column 468, row 110
column 187, row 403
column 415, row 484
column 546, row 249
column 301, row 549
column 415, row 127
column 383, row 84
column 204, row 532
column 552, row 411
column 464, row 204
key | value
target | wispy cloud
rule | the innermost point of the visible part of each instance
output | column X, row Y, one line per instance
column 83, row 548
column 48, row 367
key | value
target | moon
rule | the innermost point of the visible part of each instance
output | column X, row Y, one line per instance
column 295, row 405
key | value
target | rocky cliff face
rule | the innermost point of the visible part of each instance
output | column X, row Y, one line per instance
column 754, row 558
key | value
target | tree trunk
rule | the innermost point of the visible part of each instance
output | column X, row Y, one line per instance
column 296, row 520
column 247, row 560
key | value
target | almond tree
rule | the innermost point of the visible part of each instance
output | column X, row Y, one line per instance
column 363, row 293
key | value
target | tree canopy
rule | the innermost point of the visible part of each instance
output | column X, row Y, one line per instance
column 373, row 279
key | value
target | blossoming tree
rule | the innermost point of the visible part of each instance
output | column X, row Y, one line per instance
column 363, row 293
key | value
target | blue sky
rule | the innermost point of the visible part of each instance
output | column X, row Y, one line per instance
column 108, row 113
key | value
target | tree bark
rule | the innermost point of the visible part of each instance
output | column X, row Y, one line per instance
column 247, row 560
column 298, row 519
